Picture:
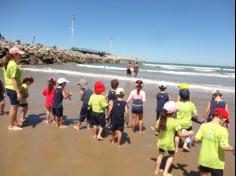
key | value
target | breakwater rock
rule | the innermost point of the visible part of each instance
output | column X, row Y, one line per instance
column 40, row 54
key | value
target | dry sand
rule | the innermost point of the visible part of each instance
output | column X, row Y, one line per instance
column 42, row 149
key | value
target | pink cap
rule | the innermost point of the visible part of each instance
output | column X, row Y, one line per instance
column 171, row 107
column 15, row 50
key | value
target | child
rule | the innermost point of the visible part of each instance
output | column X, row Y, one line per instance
column 25, row 94
column 183, row 87
column 118, row 111
column 214, row 138
column 166, row 128
column 48, row 92
column 2, row 98
column 85, row 94
column 184, row 116
column 98, row 104
column 111, row 94
column 216, row 102
column 138, row 96
column 60, row 94
column 162, row 97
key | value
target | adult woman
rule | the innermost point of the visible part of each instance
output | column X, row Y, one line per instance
column 12, row 75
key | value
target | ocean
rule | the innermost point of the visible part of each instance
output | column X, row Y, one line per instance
column 200, row 78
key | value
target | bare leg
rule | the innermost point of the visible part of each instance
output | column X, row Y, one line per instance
column 62, row 123
column 204, row 174
column 119, row 137
column 168, row 164
column 134, row 117
column 95, row 131
column 2, row 106
column 23, row 113
column 100, row 133
column 177, row 144
column 48, row 114
column 140, row 123
column 12, row 115
column 159, row 160
column 113, row 134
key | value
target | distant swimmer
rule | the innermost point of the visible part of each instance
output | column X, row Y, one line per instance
column 128, row 69
column 136, row 69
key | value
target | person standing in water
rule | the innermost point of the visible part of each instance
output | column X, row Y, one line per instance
column 128, row 69
column 136, row 69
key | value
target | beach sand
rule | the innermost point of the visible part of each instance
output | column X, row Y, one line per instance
column 42, row 149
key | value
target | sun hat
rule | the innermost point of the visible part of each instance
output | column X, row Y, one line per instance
column 162, row 85
column 15, row 50
column 171, row 107
column 217, row 92
column 99, row 87
column 221, row 112
column 83, row 83
column 184, row 93
column 62, row 80
column 183, row 86
column 120, row 91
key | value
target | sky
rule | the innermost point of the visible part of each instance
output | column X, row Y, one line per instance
column 169, row 31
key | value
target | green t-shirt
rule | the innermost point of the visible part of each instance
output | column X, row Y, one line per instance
column 12, row 71
column 166, row 138
column 23, row 89
column 213, row 137
column 184, row 115
column 98, row 103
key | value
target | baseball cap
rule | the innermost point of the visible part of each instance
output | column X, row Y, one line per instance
column 183, row 86
column 99, row 87
column 171, row 107
column 120, row 91
column 83, row 83
column 221, row 112
column 62, row 80
column 15, row 50
column 162, row 85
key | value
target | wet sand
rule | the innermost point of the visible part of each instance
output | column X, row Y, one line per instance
column 42, row 149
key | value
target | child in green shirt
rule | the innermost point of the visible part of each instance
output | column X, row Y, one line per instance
column 166, row 128
column 214, row 138
column 25, row 94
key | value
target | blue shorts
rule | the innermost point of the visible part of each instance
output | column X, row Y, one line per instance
column 84, row 113
column 58, row 112
column 13, row 97
column 214, row 172
column 1, row 97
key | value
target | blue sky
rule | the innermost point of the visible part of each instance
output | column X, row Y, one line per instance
column 170, row 31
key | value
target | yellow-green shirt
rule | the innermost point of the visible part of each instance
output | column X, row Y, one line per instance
column 213, row 137
column 23, row 89
column 98, row 103
column 166, row 138
column 12, row 71
column 184, row 115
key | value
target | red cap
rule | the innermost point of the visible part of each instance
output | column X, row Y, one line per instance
column 221, row 112
column 99, row 87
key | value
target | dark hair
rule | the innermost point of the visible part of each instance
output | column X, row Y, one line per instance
column 163, row 119
column 51, row 83
column 1, row 87
column 7, row 60
column 184, row 94
column 114, row 83
column 28, row 79
column 162, row 88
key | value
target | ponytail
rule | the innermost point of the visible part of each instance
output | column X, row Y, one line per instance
column 51, row 84
column 162, row 122
column 7, row 60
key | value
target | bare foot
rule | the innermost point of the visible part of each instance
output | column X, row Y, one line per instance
column 100, row 138
column 63, row 126
column 76, row 127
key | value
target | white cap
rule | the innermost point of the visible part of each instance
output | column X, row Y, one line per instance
column 120, row 91
column 171, row 107
column 62, row 80
column 162, row 84
column 217, row 92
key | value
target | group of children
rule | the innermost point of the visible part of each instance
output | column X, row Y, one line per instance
column 173, row 119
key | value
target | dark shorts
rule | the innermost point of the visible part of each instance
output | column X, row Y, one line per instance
column 58, row 112
column 98, row 119
column 23, row 105
column 163, row 151
column 188, row 129
column 128, row 72
column 214, row 172
column 1, row 97
column 119, row 127
column 12, row 97
column 137, row 109
column 84, row 113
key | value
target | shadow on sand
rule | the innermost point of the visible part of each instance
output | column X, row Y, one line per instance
column 34, row 119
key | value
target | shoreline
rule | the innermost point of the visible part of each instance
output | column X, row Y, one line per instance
column 42, row 149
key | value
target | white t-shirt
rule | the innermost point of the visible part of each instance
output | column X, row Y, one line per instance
column 134, row 95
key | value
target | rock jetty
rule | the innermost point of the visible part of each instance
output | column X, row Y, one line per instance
column 40, row 54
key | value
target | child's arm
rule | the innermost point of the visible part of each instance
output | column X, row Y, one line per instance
column 81, row 95
column 66, row 95
column 110, row 107
column 206, row 112
column 126, row 115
